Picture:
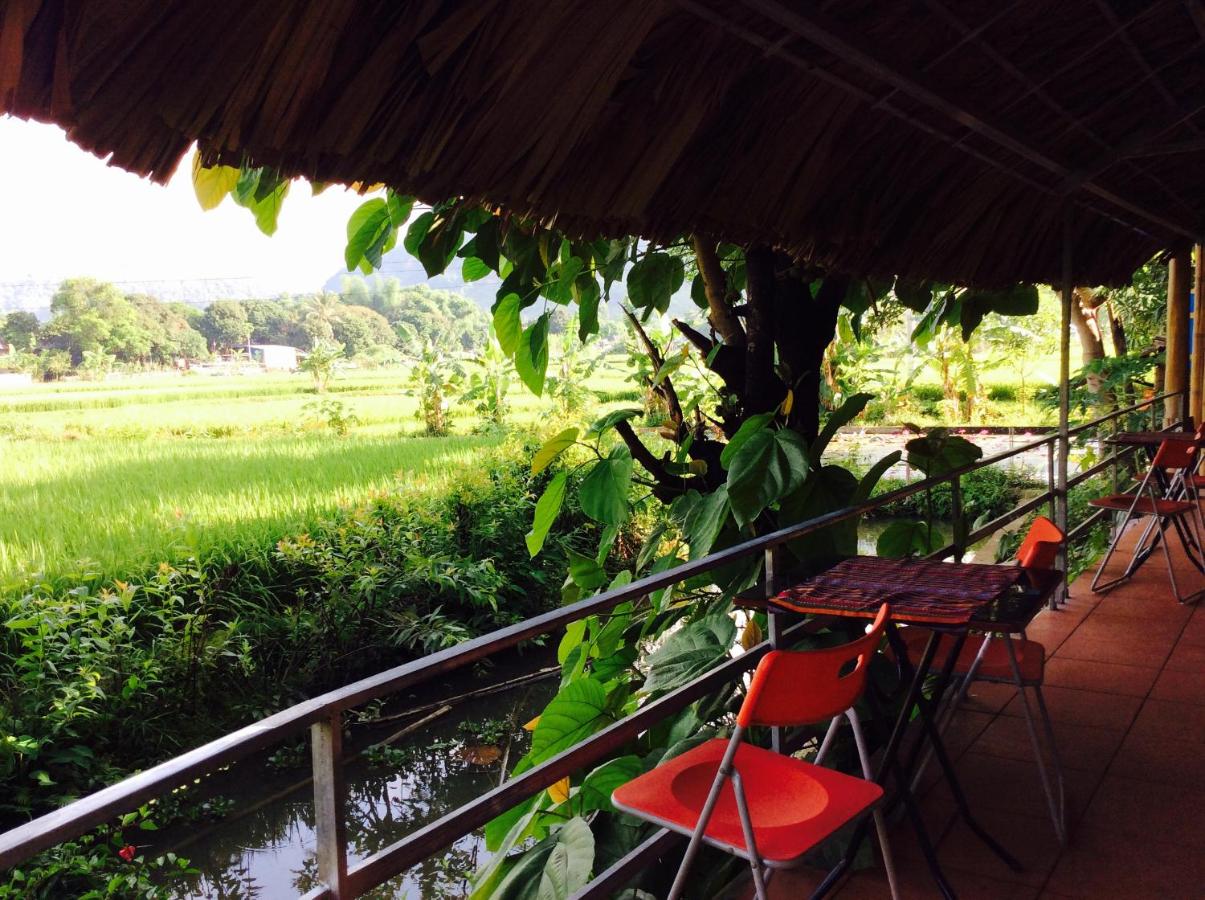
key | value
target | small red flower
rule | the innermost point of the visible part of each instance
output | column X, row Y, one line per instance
column 128, row 852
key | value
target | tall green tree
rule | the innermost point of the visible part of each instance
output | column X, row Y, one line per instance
column 20, row 329
column 225, row 324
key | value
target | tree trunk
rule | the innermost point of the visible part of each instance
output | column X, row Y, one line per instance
column 1092, row 345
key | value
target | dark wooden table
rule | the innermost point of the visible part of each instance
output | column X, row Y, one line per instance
column 947, row 598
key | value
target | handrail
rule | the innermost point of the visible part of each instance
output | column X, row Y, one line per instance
column 76, row 818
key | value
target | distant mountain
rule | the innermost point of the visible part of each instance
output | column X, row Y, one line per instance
column 399, row 264
column 34, row 296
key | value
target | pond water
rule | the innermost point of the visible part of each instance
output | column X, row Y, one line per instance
column 269, row 852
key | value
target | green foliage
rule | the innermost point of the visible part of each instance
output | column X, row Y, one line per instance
column 141, row 668
column 320, row 364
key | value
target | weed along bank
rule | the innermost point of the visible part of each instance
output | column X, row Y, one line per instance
column 538, row 536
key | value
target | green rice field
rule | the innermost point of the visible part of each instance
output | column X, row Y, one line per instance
column 106, row 478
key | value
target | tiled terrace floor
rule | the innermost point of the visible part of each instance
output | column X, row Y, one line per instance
column 1125, row 683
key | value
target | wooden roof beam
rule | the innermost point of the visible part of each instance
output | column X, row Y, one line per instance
column 831, row 37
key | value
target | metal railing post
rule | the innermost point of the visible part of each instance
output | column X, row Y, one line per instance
column 326, row 740
column 773, row 558
column 1050, row 487
column 956, row 517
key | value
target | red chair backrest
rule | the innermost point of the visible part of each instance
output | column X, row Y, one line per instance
column 805, row 686
column 1041, row 545
column 1175, row 454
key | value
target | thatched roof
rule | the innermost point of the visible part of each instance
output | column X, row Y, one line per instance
column 933, row 138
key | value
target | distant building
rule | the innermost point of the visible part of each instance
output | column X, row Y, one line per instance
column 275, row 356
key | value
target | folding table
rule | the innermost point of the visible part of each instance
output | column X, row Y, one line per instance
column 947, row 598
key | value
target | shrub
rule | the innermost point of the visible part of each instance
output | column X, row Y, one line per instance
column 985, row 492
column 927, row 393
column 144, row 667
column 1003, row 393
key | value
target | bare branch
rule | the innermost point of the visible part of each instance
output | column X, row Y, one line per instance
column 666, row 387
column 715, row 284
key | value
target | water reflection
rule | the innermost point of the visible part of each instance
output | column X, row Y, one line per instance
column 270, row 852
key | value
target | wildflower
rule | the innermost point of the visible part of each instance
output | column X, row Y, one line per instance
column 128, row 852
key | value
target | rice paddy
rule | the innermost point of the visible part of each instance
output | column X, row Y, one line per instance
column 105, row 479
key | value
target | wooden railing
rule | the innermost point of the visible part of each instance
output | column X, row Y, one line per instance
column 322, row 715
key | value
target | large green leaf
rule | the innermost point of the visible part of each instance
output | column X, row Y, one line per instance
column 531, row 355
column 597, row 787
column 938, row 452
column 653, row 280
column 749, row 427
column 702, row 517
column 824, row 490
column 576, row 712
column 867, row 485
column 551, row 449
column 768, row 465
column 1020, row 300
column 839, row 417
column 611, row 419
column 588, row 294
column 553, row 869
column 906, row 538
column 916, row 296
column 689, row 652
column 604, row 491
column 372, row 230
column 547, row 509
column 507, row 324
column 212, row 183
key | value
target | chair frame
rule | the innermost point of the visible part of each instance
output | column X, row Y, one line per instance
column 727, row 771
column 1154, row 532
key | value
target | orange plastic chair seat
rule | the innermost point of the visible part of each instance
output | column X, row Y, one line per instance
column 995, row 665
column 1122, row 503
column 794, row 805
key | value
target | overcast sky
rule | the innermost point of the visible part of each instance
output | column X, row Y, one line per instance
column 63, row 212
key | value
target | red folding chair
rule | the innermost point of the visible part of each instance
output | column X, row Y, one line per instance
column 1172, row 466
column 1005, row 659
column 762, row 806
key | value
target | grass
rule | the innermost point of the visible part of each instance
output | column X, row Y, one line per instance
column 99, row 506
column 103, row 478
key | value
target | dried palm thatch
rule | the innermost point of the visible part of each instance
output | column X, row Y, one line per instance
column 928, row 139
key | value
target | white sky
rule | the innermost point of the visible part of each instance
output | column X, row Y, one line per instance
column 63, row 213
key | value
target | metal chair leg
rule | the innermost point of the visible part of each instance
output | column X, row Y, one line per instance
column 1117, row 535
column 1055, row 814
column 1048, row 726
column 724, row 771
column 880, row 826
column 1171, row 574
column 827, row 743
column 742, row 809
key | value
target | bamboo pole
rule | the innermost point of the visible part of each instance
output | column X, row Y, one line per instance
column 1176, row 377
column 1197, row 381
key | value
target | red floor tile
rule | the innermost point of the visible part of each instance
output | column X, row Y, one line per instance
column 1186, row 687
column 1170, row 720
column 1014, row 786
column 1105, row 626
column 1187, row 658
column 1085, row 707
column 1108, row 864
column 1080, row 746
column 1123, row 652
column 1030, row 840
column 1160, row 760
column 1147, row 811
column 1107, row 678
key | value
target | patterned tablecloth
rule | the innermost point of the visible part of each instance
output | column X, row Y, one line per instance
column 919, row 590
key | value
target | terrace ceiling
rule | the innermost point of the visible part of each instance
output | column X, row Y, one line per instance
column 930, row 138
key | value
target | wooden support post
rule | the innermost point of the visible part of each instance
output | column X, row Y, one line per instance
column 1066, row 291
column 1196, row 404
column 1176, row 378
column 326, row 739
